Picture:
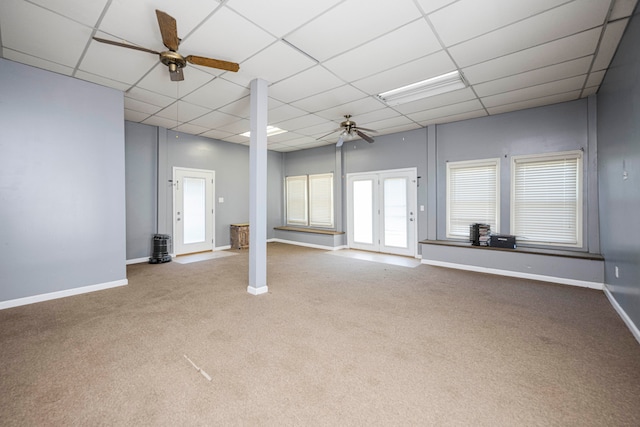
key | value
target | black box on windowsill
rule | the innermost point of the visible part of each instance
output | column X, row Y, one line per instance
column 502, row 241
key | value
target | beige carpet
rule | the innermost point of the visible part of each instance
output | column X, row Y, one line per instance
column 336, row 341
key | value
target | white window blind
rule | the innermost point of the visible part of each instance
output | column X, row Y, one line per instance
column 321, row 200
column 546, row 199
column 296, row 187
column 472, row 196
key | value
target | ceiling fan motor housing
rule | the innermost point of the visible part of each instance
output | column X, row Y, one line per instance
column 173, row 60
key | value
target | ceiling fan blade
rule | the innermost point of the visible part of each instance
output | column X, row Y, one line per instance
column 340, row 142
column 364, row 136
column 324, row 136
column 168, row 30
column 128, row 46
column 213, row 63
column 177, row 75
column 368, row 130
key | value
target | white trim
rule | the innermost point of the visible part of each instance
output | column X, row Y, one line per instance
column 257, row 291
column 222, row 248
column 61, row 294
column 561, row 280
column 137, row 260
column 623, row 314
column 309, row 245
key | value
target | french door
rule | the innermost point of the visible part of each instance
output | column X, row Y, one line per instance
column 381, row 210
column 193, row 215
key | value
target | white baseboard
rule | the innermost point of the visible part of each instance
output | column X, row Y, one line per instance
column 137, row 260
column 309, row 245
column 623, row 314
column 61, row 294
column 257, row 291
column 222, row 248
column 561, row 280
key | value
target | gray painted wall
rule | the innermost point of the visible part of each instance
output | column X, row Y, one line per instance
column 619, row 152
column 155, row 151
column 553, row 128
column 141, row 159
column 62, row 175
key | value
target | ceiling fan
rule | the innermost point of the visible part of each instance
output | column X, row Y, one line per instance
column 171, row 58
column 350, row 130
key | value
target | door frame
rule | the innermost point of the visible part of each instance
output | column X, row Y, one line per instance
column 412, row 203
column 175, row 170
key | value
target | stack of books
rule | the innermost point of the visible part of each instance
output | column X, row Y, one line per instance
column 479, row 234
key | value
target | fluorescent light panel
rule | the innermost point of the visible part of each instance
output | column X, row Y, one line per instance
column 271, row 130
column 430, row 87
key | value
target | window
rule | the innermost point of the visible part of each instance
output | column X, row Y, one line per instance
column 309, row 200
column 546, row 199
column 472, row 196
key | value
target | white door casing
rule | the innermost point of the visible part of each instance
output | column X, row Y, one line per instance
column 193, row 212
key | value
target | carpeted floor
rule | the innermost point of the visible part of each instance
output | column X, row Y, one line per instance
column 336, row 341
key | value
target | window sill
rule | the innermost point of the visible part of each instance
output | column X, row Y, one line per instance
column 536, row 251
column 308, row 230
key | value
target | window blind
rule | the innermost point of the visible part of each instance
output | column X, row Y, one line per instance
column 472, row 196
column 296, row 200
column 321, row 200
column 546, row 199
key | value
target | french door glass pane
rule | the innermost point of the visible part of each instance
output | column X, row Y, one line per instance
column 395, row 212
column 363, row 211
column 194, row 210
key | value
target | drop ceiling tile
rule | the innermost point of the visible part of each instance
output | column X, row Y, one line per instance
column 134, row 116
column 449, row 110
column 183, row 111
column 414, row 71
column 149, row 97
column 609, row 44
column 300, row 122
column 379, row 125
column 551, row 73
column 341, row 28
column 367, row 59
column 227, row 36
column 120, row 64
column 466, row 19
column 282, row 137
column 142, row 107
column 378, row 115
column 102, row 81
column 191, row 129
column 57, row 39
column 301, row 140
column 539, row 102
column 322, row 101
column 355, row 108
column 401, row 128
column 575, row 16
column 240, row 108
column 555, row 52
column 595, row 78
column 322, row 130
column 429, row 6
column 622, row 9
column 284, row 112
column 217, row 93
column 238, row 139
column 136, row 21
column 237, row 127
column 158, row 81
column 456, row 118
column 214, row 119
column 282, row 16
column 546, row 89
column 16, row 56
column 448, row 98
column 217, row 134
column 268, row 65
column 304, row 84
column 82, row 11
column 589, row 91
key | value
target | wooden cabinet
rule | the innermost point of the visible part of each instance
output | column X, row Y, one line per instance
column 239, row 236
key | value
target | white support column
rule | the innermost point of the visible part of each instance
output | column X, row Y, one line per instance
column 258, row 189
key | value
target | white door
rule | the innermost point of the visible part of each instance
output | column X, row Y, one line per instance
column 381, row 209
column 193, row 215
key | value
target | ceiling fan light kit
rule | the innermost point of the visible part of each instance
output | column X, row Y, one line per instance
column 424, row 89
